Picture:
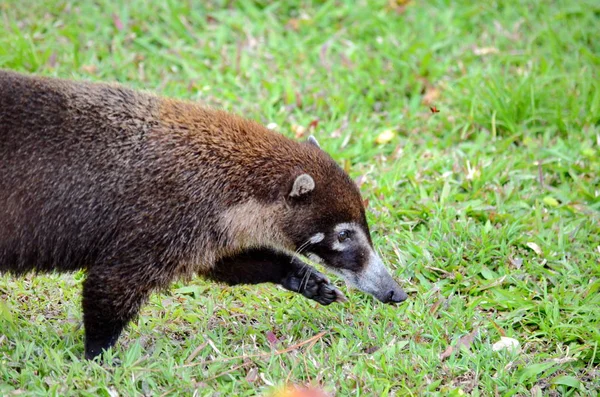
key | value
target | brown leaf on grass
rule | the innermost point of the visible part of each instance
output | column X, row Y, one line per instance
column 431, row 95
column 298, row 131
column 52, row 60
column 482, row 51
column 360, row 180
column 516, row 262
column 118, row 23
column 196, row 351
column 399, row 6
column 91, row 69
column 536, row 248
column 323, row 56
column 430, row 92
column 273, row 341
column 465, row 340
column 313, row 124
column 436, row 306
column 372, row 349
column 500, row 330
column 293, row 24
column 252, row 375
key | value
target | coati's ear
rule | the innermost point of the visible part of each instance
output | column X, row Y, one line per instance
column 313, row 140
column 302, row 185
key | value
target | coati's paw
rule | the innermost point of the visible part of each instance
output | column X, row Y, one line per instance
column 315, row 286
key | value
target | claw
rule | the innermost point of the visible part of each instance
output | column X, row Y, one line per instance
column 339, row 296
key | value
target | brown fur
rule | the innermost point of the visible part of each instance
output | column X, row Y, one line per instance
column 139, row 190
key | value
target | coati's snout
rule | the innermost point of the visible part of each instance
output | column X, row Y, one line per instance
column 346, row 250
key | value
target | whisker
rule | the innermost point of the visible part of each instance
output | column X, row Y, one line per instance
column 301, row 248
column 306, row 276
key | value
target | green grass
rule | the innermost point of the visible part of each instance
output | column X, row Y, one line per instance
column 459, row 201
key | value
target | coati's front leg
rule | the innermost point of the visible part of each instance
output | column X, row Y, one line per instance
column 264, row 265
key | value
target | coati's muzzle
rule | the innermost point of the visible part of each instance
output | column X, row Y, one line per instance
column 374, row 279
column 347, row 251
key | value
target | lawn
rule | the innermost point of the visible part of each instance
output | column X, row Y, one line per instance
column 487, row 211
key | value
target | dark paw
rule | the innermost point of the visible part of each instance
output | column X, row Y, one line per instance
column 95, row 347
column 315, row 286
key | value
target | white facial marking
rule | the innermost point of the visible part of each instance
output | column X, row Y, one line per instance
column 342, row 226
column 337, row 246
column 314, row 257
column 317, row 238
column 357, row 233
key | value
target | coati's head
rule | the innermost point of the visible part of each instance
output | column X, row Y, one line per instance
column 325, row 219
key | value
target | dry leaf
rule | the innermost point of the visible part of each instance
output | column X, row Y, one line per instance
column 465, row 340
column 500, row 330
column 323, row 56
column 506, row 343
column 252, row 375
column 385, row 137
column 360, row 180
column 298, row 131
column 273, row 341
column 435, row 306
column 117, row 21
column 91, row 69
column 52, row 60
column 536, row 248
column 431, row 95
column 399, row 6
column 196, row 351
column 485, row 51
column 293, row 24
column 447, row 353
column 516, row 262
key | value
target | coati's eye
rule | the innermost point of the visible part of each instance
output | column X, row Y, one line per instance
column 343, row 235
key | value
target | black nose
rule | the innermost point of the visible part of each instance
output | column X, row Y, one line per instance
column 396, row 296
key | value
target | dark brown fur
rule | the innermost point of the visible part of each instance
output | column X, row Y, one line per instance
column 140, row 190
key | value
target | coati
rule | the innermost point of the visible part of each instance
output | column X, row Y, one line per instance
column 139, row 190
